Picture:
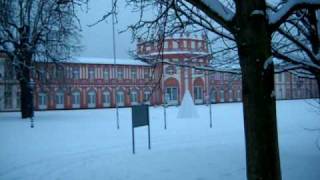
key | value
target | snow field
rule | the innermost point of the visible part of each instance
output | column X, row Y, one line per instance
column 85, row 144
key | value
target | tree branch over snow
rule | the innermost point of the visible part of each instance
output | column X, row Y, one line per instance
column 278, row 17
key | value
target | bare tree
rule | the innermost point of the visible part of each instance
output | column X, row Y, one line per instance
column 297, row 42
column 250, row 25
column 37, row 31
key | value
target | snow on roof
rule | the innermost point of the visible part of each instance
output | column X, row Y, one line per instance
column 177, row 52
column 100, row 60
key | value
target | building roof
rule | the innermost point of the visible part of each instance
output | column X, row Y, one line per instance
column 100, row 60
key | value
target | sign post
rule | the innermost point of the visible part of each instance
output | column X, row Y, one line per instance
column 210, row 111
column 140, row 117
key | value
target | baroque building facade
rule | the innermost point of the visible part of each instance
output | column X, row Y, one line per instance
column 100, row 82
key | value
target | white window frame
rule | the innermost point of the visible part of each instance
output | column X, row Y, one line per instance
column 75, row 73
column 221, row 95
column 213, row 96
column 120, row 74
column 147, row 97
column 134, row 73
column 76, row 96
column 120, row 98
column 134, row 97
column 238, row 95
column 106, row 98
column 193, row 44
column 230, row 95
column 166, row 45
column 198, row 94
column 59, row 99
column 175, row 44
column 106, row 74
column 43, row 99
column 92, row 95
column 172, row 95
column 91, row 72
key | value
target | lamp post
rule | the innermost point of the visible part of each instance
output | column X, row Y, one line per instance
column 30, row 106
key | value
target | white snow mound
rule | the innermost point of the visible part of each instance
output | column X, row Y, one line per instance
column 187, row 108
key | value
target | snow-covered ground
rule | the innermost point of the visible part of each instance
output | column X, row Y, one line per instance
column 85, row 144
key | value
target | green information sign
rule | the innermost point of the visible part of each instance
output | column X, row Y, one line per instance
column 140, row 117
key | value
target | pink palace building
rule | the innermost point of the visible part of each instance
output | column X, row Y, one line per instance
column 86, row 82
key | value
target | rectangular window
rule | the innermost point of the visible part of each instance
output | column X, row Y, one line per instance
column 171, row 95
column 166, row 45
column 42, row 100
column 91, row 73
column 134, row 73
column 75, row 73
column 193, row 45
column 197, row 93
column 106, row 74
column 199, row 44
column 146, row 74
column 59, row 73
column 120, row 73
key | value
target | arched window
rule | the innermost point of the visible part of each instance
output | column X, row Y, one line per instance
column 76, row 99
column 134, row 97
column 59, row 99
column 230, row 95
column 213, row 95
column 106, row 98
column 43, row 99
column 120, row 98
column 91, row 99
column 147, row 97
column 221, row 95
column 238, row 95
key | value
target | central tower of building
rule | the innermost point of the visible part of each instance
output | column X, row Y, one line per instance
column 173, row 58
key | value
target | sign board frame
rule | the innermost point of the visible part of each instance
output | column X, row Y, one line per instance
column 140, row 117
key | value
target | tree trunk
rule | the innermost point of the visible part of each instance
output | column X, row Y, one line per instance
column 24, row 72
column 26, row 95
column 259, row 105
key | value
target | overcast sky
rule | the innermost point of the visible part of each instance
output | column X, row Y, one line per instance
column 97, row 40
